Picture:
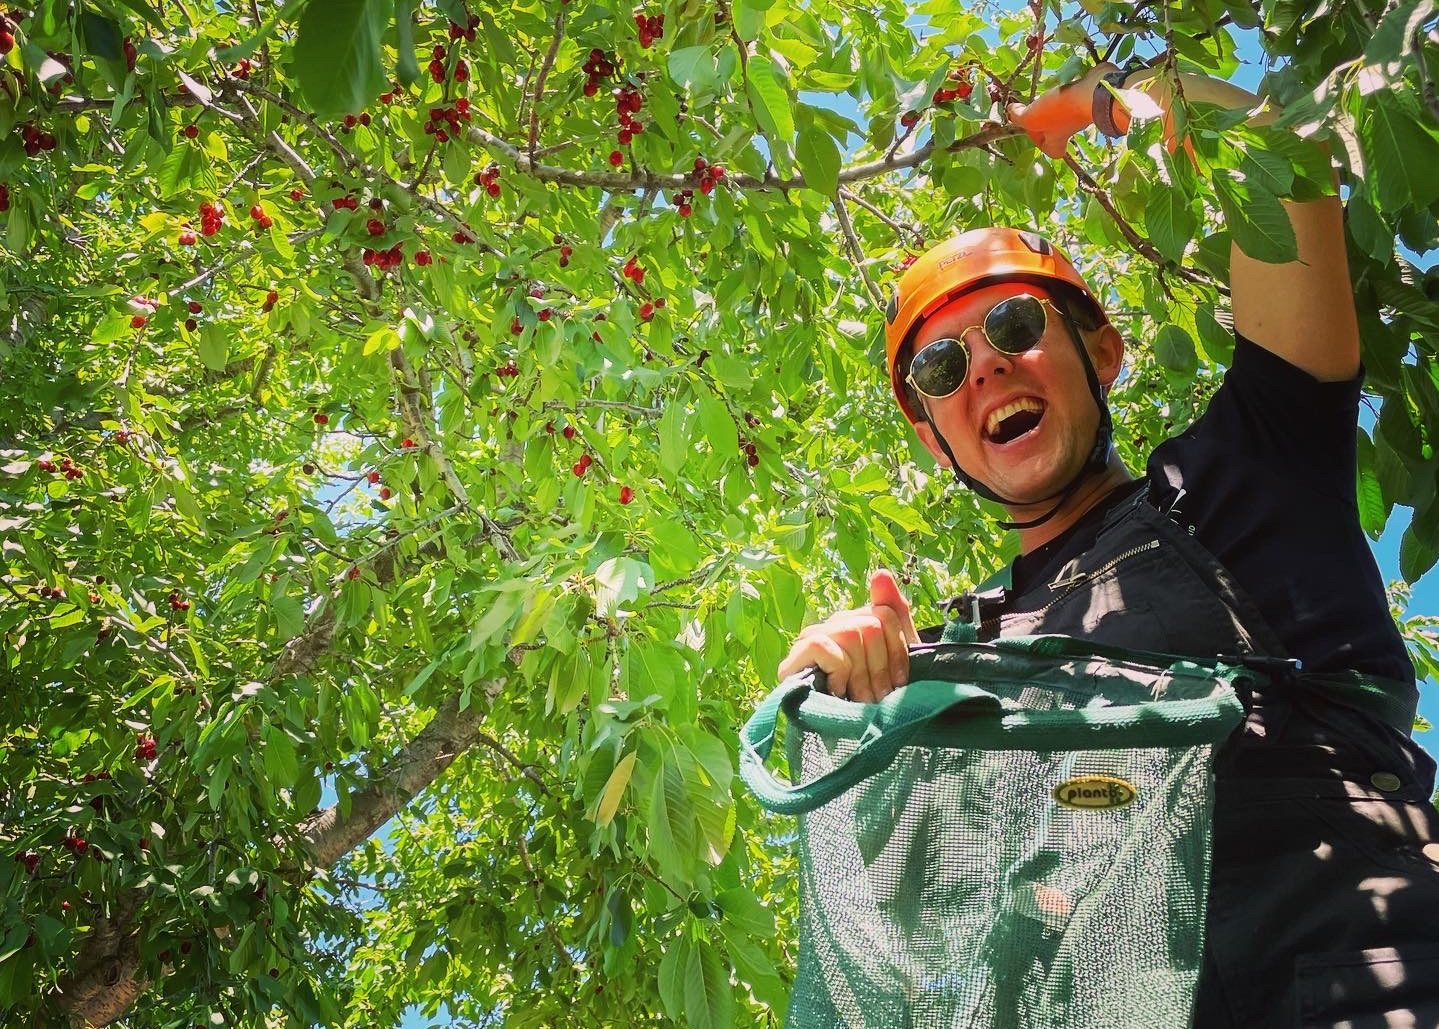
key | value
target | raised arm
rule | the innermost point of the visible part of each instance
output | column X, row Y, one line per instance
column 1302, row 310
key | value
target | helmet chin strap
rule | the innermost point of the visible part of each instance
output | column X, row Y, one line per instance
column 1097, row 461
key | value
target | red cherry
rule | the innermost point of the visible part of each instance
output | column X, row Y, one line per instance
column 375, row 227
column 647, row 311
column 191, row 131
column 423, row 257
column 909, row 118
column 321, row 418
column 963, row 90
column 374, row 477
column 144, row 843
column 568, row 431
column 138, row 321
column 257, row 212
column 195, row 307
column 188, row 238
column 191, row 324
column 543, row 315
column 407, row 443
column 626, row 494
column 385, row 493
column 354, row 573
column 616, row 158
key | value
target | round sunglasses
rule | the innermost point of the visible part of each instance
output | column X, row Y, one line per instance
column 1012, row 326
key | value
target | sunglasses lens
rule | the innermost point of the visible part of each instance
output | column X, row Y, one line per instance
column 1015, row 325
column 940, row 368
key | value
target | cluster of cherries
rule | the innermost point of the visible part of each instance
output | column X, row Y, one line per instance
column 565, row 250
column 633, row 272
column 211, row 217
column 35, row 140
column 465, row 32
column 490, row 179
column 451, row 116
column 651, row 26
column 583, row 464
column 647, row 309
column 138, row 321
column 437, row 66
column 751, row 455
column 351, row 120
column 260, row 218
column 271, row 299
column 346, row 202
column 508, row 370
column 597, row 67
column 145, row 747
column 194, row 307
column 628, row 101
column 51, row 592
column 70, row 469
column 391, row 258
column 705, row 175
column 178, row 602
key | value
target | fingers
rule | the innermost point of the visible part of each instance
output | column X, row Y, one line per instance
column 884, row 592
column 863, row 652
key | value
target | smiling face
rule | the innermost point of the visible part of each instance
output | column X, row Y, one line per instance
column 1021, row 424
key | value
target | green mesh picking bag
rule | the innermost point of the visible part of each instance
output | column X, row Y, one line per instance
column 1018, row 839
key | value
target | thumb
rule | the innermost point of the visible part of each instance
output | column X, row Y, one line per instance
column 884, row 591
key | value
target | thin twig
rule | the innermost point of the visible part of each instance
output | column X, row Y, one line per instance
column 856, row 250
column 540, row 80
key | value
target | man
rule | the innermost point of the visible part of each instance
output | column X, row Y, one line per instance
column 1241, row 537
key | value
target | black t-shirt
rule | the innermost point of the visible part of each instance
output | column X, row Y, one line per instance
column 1267, row 476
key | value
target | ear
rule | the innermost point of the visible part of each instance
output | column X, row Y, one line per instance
column 926, row 436
column 1106, row 351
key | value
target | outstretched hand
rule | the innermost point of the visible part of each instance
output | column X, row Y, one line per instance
column 864, row 651
column 1058, row 113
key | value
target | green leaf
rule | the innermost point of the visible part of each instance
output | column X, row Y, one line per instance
column 99, row 35
column 1256, row 219
column 337, row 54
column 147, row 12
column 407, row 68
column 672, row 972
column 674, row 438
column 1372, row 511
column 1405, row 154
column 709, row 1001
column 212, row 345
column 819, row 160
column 281, row 762
column 696, row 68
column 769, row 96
column 619, row 581
column 615, row 789
column 1174, row 349
column 1417, row 554
column 1169, row 222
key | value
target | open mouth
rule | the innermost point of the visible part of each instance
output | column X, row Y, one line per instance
column 1013, row 420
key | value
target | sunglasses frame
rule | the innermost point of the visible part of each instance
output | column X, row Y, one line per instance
column 1045, row 303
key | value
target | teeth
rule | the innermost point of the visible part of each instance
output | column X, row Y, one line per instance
column 991, row 424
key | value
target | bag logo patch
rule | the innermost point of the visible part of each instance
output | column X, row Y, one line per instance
column 1095, row 792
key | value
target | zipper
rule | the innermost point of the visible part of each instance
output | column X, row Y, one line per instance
column 1069, row 585
column 1072, row 583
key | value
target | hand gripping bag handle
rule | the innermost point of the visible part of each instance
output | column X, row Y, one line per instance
column 977, row 719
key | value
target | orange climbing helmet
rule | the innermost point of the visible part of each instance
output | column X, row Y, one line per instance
column 963, row 263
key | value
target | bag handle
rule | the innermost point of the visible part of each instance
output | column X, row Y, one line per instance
column 890, row 724
column 883, row 728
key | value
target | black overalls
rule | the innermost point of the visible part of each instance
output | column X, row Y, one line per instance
column 1323, row 908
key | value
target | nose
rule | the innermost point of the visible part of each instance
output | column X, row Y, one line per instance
column 984, row 360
